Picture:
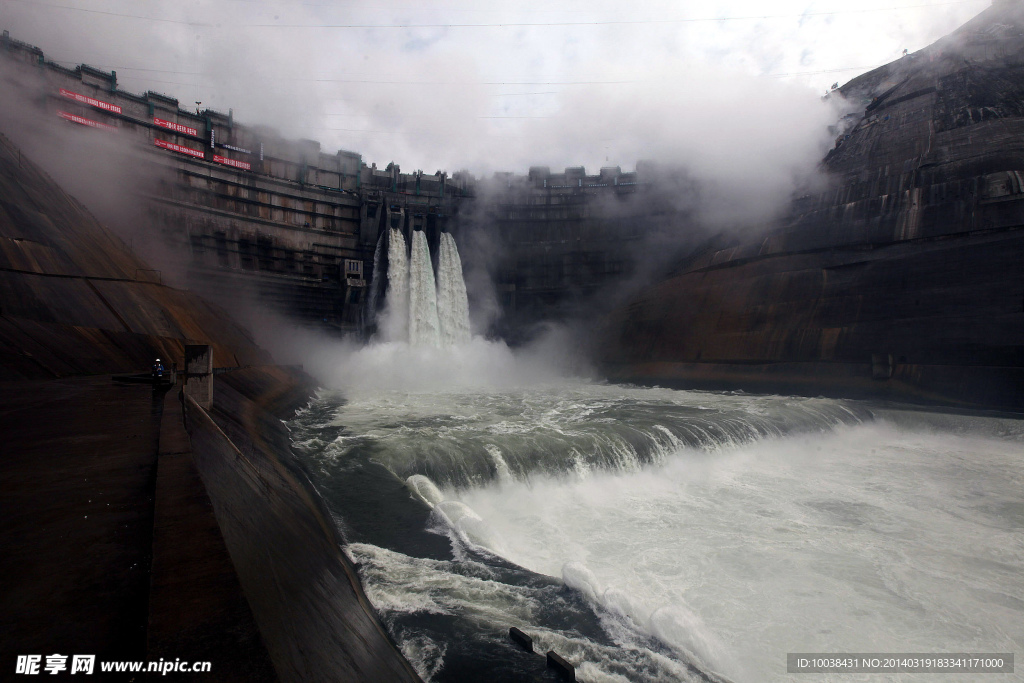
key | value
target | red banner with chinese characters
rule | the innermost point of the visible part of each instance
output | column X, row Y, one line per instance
column 198, row 154
column 84, row 121
column 105, row 106
column 244, row 165
column 176, row 127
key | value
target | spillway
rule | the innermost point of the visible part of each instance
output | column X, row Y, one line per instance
column 396, row 317
column 420, row 308
column 423, row 324
column 452, row 302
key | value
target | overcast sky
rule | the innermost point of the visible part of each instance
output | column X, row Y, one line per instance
column 490, row 86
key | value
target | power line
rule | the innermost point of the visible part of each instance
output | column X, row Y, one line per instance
column 525, row 24
column 369, row 81
column 35, row 3
column 611, row 22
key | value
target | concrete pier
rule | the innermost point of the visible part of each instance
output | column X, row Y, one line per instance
column 199, row 374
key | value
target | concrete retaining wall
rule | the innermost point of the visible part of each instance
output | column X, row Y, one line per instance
column 304, row 594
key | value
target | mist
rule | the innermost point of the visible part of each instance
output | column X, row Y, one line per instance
column 504, row 87
column 727, row 98
column 358, row 369
column 105, row 171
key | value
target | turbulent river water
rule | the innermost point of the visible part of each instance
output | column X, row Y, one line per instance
column 655, row 535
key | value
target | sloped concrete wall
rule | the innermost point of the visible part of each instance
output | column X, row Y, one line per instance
column 75, row 300
column 304, row 593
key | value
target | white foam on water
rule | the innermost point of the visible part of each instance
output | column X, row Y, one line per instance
column 575, row 575
column 426, row 656
column 500, row 466
column 424, row 489
column 468, row 527
column 397, row 583
column 684, row 631
column 868, row 538
column 617, row 602
column 451, row 512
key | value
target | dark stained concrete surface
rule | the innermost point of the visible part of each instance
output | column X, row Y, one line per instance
column 78, row 476
column 196, row 607
column 124, row 536
column 901, row 280
column 75, row 300
column 121, row 534
column 108, row 542
column 304, row 593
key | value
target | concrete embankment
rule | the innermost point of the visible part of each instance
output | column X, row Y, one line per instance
column 135, row 527
column 78, row 473
column 303, row 591
column 140, row 528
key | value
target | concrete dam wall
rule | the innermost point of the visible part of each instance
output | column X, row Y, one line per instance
column 902, row 280
column 75, row 300
column 897, row 279
column 247, row 209
column 142, row 525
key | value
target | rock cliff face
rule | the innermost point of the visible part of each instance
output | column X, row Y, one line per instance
column 902, row 280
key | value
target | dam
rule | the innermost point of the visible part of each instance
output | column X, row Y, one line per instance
column 925, row 167
column 804, row 437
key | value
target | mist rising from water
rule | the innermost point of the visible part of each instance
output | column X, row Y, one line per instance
column 477, row 364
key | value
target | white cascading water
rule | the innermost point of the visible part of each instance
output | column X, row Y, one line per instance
column 452, row 302
column 371, row 302
column 423, row 322
column 415, row 310
column 396, row 320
